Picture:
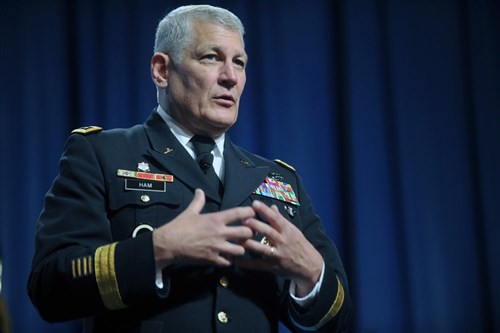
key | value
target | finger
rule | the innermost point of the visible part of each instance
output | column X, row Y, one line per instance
column 271, row 215
column 223, row 261
column 259, row 248
column 261, row 228
column 235, row 214
column 232, row 250
column 198, row 202
column 238, row 233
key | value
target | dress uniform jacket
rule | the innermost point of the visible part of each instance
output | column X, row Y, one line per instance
column 94, row 255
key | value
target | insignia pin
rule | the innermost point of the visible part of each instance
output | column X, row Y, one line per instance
column 143, row 166
column 167, row 150
column 290, row 210
column 276, row 176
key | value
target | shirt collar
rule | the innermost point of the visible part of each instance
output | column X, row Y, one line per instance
column 184, row 135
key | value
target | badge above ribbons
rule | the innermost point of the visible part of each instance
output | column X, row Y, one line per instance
column 277, row 189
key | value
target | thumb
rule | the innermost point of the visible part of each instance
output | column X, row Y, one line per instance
column 198, row 201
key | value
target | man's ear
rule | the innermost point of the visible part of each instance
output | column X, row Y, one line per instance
column 159, row 69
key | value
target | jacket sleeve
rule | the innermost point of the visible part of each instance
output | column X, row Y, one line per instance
column 78, row 269
column 331, row 309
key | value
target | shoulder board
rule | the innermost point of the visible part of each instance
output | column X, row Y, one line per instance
column 87, row 130
column 286, row 165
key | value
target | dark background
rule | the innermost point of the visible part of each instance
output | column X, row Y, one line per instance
column 389, row 110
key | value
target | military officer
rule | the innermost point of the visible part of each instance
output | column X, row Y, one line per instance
column 168, row 226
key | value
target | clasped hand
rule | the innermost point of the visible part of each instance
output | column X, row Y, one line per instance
column 209, row 238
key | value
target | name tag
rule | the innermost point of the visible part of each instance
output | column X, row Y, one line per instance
column 144, row 185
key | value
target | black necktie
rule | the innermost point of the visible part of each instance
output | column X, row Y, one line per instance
column 203, row 149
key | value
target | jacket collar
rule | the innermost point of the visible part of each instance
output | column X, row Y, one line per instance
column 242, row 175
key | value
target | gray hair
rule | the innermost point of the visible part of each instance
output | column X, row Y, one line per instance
column 175, row 31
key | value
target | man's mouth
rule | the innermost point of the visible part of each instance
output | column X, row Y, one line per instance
column 227, row 97
column 225, row 100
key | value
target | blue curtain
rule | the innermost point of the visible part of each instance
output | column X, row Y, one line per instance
column 390, row 111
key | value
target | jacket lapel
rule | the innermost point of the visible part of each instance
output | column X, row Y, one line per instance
column 168, row 152
column 242, row 175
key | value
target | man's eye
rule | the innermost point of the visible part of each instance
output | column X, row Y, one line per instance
column 239, row 63
column 210, row 57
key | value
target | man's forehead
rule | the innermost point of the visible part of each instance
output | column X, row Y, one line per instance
column 212, row 36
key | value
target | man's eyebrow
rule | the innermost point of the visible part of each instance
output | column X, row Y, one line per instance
column 218, row 48
column 242, row 54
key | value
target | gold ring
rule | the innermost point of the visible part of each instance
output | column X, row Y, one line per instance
column 266, row 241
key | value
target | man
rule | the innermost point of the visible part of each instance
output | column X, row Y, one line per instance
column 145, row 230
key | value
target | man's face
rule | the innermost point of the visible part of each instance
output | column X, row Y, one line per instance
column 204, row 90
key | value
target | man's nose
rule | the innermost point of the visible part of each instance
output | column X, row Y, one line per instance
column 228, row 76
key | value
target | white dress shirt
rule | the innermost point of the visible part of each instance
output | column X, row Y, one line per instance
column 184, row 136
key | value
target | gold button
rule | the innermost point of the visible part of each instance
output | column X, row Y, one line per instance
column 145, row 198
column 222, row 316
column 224, row 281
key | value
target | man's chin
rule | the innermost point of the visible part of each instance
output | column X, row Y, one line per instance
column 223, row 120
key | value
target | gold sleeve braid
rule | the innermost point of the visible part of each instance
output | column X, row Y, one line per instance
column 332, row 312
column 104, row 265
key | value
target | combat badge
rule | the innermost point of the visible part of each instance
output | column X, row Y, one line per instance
column 143, row 166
